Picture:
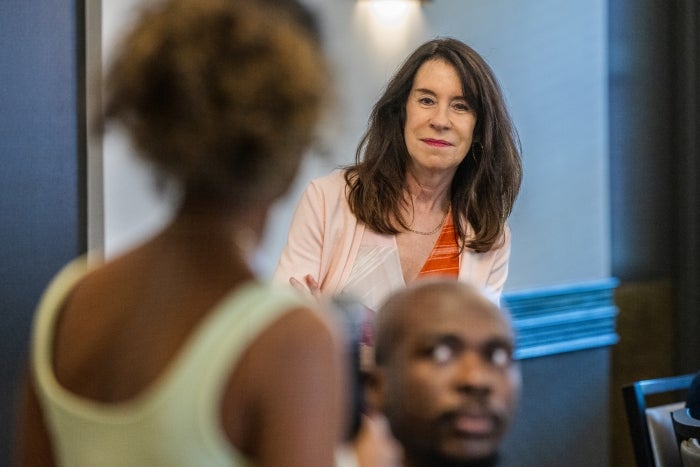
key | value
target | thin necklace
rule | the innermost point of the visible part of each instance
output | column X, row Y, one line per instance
column 437, row 227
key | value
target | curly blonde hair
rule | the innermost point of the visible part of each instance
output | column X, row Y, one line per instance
column 221, row 95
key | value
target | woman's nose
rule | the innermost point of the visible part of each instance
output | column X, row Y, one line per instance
column 440, row 118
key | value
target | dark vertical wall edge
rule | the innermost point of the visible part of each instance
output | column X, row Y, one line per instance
column 641, row 110
column 81, row 130
column 686, row 148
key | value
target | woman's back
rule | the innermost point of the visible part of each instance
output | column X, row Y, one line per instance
column 134, row 314
column 174, row 349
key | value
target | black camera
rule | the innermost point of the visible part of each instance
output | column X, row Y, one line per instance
column 357, row 323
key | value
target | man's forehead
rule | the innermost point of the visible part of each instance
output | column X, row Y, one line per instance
column 453, row 306
column 470, row 320
column 471, row 331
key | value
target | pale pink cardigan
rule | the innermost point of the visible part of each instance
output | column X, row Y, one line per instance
column 325, row 236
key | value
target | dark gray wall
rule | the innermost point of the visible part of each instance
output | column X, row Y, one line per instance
column 655, row 196
column 640, row 135
column 655, row 155
column 40, row 171
column 563, row 418
column 686, row 148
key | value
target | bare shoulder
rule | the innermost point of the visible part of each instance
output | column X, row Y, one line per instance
column 300, row 344
column 283, row 403
column 300, row 330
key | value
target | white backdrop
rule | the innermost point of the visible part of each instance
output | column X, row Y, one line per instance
column 551, row 59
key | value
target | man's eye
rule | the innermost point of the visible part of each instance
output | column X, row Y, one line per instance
column 500, row 357
column 442, row 353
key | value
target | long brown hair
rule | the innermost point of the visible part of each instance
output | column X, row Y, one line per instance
column 487, row 181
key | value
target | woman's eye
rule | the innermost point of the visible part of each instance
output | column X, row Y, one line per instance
column 442, row 353
column 461, row 106
column 500, row 357
column 425, row 100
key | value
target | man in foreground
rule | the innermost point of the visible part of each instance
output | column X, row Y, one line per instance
column 445, row 377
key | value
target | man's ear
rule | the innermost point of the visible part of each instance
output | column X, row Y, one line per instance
column 375, row 390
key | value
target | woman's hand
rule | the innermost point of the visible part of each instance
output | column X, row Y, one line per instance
column 309, row 285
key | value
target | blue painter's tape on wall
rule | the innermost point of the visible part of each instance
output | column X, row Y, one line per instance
column 563, row 318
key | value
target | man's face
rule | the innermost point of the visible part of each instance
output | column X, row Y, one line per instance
column 451, row 387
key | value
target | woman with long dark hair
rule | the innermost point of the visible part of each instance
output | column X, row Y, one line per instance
column 435, row 179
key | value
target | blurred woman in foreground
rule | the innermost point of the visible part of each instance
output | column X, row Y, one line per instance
column 173, row 354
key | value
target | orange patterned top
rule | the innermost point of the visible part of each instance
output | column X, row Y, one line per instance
column 444, row 259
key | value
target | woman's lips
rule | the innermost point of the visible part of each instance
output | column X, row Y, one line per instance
column 438, row 143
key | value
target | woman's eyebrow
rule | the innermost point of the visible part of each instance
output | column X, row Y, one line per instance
column 432, row 93
column 425, row 91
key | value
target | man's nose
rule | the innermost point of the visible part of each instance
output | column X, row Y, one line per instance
column 472, row 373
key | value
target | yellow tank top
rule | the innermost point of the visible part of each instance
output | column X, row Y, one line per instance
column 173, row 422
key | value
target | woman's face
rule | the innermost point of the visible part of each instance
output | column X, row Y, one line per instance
column 439, row 122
